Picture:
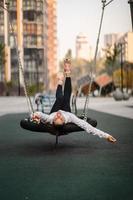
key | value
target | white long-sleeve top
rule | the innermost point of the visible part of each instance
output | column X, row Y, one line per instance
column 70, row 117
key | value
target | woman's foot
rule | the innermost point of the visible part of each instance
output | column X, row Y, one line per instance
column 67, row 67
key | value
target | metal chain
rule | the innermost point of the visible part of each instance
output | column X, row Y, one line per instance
column 21, row 71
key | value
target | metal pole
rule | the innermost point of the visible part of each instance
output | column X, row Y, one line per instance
column 37, row 70
column 121, row 68
column 127, row 77
column 131, row 8
column 18, row 82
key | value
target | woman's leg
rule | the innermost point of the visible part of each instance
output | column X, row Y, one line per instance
column 67, row 86
column 67, row 95
column 59, row 96
column 59, row 100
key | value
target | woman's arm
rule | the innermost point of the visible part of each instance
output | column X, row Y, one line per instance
column 90, row 129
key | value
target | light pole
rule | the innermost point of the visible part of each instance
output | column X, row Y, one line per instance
column 37, row 69
column 131, row 8
column 121, row 61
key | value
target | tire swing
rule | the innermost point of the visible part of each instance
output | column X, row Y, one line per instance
column 52, row 129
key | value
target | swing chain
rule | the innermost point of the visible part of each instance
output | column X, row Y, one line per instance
column 95, row 58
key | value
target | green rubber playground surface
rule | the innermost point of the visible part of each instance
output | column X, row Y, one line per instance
column 82, row 167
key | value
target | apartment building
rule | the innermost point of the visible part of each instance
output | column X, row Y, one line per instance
column 29, row 26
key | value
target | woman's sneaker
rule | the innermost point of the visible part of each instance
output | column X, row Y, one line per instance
column 67, row 67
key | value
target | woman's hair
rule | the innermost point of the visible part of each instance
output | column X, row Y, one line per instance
column 58, row 126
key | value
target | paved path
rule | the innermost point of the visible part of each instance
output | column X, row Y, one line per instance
column 107, row 105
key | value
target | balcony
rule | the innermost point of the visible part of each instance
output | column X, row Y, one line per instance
column 32, row 41
column 13, row 5
column 30, row 28
column 29, row 5
column 33, row 6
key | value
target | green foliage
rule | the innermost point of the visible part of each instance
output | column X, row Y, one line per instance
column 32, row 89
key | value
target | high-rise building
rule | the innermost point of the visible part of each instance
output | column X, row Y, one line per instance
column 126, row 42
column 33, row 24
column 52, row 43
column 83, row 49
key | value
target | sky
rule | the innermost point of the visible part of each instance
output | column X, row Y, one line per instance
column 76, row 16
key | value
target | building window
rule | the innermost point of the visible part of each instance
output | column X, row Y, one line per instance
column 39, row 29
column 30, row 40
column 39, row 5
column 29, row 15
column 30, row 28
column 39, row 17
column 28, row 4
column 39, row 40
column 13, row 3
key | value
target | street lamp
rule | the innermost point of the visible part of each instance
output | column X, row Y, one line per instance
column 121, row 62
column 131, row 8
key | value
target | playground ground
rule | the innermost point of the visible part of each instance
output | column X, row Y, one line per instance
column 82, row 167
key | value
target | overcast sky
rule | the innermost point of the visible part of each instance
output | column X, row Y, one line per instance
column 75, row 16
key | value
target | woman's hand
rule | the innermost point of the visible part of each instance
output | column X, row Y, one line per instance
column 35, row 117
column 110, row 138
